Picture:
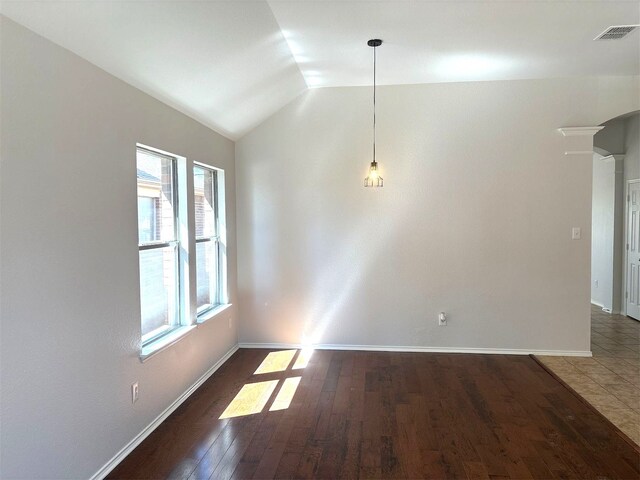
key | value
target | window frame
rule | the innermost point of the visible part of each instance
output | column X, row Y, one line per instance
column 204, row 312
column 178, row 314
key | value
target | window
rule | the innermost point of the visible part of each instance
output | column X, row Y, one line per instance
column 167, row 255
column 209, row 247
column 158, row 244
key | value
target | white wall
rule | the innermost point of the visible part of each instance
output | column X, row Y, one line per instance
column 69, row 261
column 602, row 231
column 475, row 217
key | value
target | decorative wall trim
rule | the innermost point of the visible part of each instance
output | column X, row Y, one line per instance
column 613, row 158
column 579, row 140
column 128, row 448
column 579, row 131
column 393, row 348
column 578, row 152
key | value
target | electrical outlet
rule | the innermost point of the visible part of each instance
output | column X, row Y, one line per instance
column 442, row 319
column 576, row 233
column 597, row 284
column 135, row 392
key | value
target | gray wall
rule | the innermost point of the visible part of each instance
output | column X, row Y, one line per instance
column 69, row 261
column 632, row 148
column 602, row 231
column 474, row 220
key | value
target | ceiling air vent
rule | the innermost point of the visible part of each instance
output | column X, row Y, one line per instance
column 616, row 32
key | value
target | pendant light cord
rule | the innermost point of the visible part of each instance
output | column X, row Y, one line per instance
column 374, row 104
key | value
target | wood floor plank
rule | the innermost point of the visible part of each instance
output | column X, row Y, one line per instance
column 387, row 415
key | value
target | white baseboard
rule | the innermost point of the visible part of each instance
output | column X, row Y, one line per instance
column 393, row 348
column 128, row 448
column 605, row 310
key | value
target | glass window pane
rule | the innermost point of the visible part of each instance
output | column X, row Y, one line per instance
column 147, row 210
column 158, row 290
column 207, row 274
column 156, row 205
column 203, row 183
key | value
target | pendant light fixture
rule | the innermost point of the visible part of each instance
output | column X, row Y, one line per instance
column 374, row 179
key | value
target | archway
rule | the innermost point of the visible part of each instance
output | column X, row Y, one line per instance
column 616, row 165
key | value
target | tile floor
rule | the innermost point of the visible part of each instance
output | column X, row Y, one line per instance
column 610, row 380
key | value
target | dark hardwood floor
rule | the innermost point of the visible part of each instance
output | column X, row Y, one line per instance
column 384, row 415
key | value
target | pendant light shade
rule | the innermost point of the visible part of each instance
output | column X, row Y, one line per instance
column 373, row 179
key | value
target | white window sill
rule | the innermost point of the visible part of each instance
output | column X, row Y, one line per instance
column 167, row 340
column 209, row 314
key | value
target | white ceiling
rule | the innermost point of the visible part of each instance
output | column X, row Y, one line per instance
column 231, row 64
column 225, row 64
column 452, row 41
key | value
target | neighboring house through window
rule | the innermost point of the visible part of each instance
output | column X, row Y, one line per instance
column 158, row 244
column 209, row 245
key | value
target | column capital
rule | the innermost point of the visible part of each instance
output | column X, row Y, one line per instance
column 579, row 131
column 579, row 140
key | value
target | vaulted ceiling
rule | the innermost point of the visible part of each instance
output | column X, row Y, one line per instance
column 232, row 64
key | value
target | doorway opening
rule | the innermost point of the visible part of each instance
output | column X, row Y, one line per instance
column 615, row 233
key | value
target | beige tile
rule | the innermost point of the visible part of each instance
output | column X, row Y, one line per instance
column 551, row 360
column 577, row 361
column 631, row 378
column 608, row 379
column 623, row 415
column 634, row 435
column 624, row 368
column 618, row 347
column 626, row 354
column 630, row 427
column 623, row 388
column 618, row 414
column 599, row 339
column 632, row 361
column 592, row 388
column 595, row 370
column 607, row 400
column 579, row 379
column 564, row 369
column 609, row 361
column 630, row 400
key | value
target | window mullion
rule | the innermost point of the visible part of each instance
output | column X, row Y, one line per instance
column 149, row 246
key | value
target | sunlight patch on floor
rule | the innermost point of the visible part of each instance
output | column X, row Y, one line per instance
column 285, row 395
column 250, row 399
column 303, row 358
column 276, row 362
